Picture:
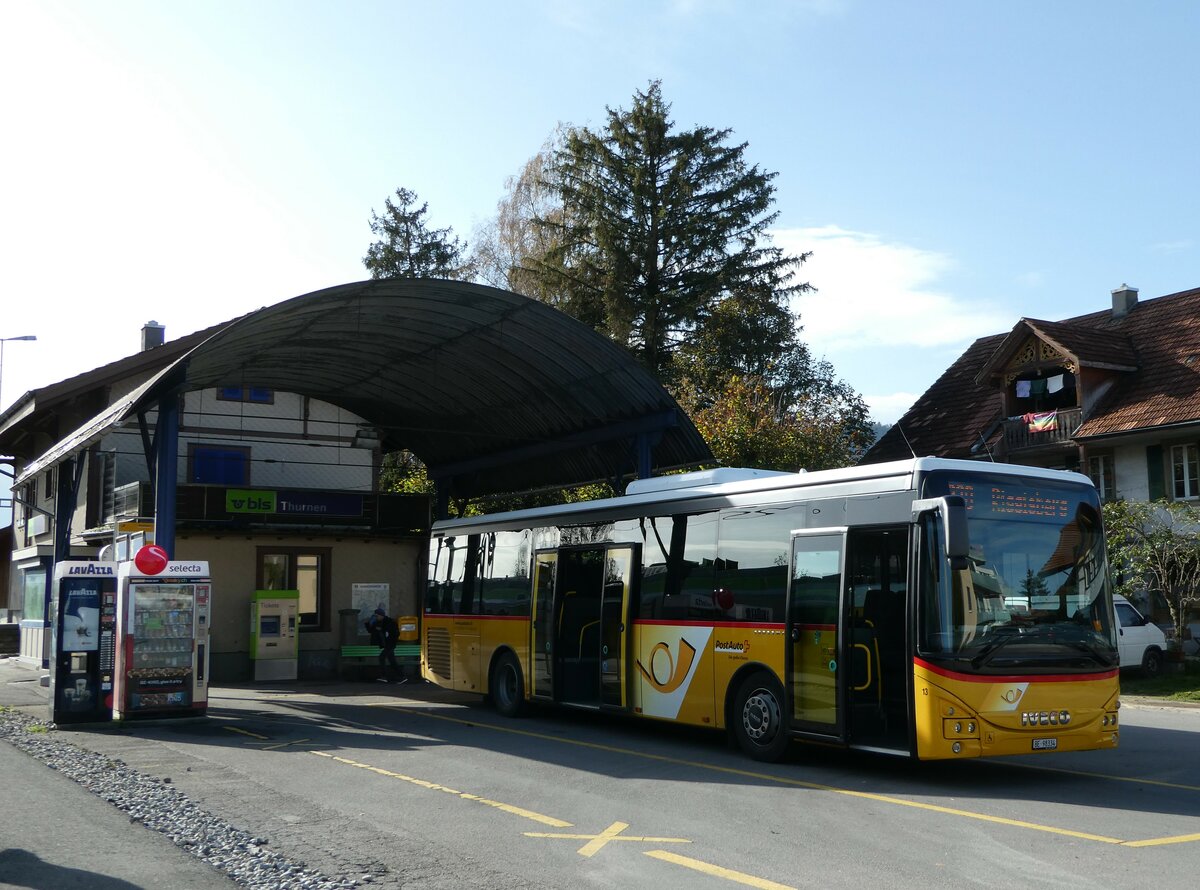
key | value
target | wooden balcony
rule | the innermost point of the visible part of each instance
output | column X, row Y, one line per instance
column 1017, row 436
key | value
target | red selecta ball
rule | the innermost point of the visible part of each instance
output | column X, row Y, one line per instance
column 151, row 559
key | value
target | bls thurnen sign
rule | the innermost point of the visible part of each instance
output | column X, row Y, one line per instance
column 262, row 502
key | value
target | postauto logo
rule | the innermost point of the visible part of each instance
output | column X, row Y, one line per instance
column 734, row 647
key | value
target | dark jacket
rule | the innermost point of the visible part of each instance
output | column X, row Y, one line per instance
column 384, row 630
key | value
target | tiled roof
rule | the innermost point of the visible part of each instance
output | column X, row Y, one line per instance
column 950, row 417
column 1159, row 337
column 1094, row 348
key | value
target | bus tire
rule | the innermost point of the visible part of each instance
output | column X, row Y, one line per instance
column 1152, row 662
column 506, row 686
column 758, row 717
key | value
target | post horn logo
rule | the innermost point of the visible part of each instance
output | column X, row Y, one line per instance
column 675, row 671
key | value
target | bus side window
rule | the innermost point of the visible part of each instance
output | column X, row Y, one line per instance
column 687, row 587
column 504, row 581
column 754, row 554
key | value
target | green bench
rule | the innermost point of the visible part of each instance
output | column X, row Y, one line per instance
column 360, row 660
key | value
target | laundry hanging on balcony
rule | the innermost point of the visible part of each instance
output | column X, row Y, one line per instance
column 1041, row 422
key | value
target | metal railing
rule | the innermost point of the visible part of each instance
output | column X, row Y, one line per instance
column 1019, row 434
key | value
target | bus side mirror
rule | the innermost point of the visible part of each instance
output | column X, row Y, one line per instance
column 954, row 529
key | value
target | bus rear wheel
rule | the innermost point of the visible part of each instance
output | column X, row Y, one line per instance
column 758, row 718
column 507, row 686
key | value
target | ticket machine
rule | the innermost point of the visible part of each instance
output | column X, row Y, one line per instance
column 274, row 634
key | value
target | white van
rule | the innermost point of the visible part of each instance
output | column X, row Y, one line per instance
column 1140, row 641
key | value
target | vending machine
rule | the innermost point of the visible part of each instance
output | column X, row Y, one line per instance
column 163, row 609
column 274, row 640
column 83, row 615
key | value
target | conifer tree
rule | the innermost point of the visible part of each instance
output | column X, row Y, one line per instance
column 407, row 247
column 658, row 228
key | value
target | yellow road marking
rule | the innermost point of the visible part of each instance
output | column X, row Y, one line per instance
column 1163, row 841
column 783, row 780
column 597, row 842
column 278, row 745
column 717, row 871
column 253, row 735
column 1076, row 772
column 434, row 786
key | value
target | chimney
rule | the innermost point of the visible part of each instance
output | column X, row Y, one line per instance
column 153, row 334
column 1124, row 299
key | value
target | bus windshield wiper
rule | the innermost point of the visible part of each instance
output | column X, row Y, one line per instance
column 1095, row 652
column 989, row 652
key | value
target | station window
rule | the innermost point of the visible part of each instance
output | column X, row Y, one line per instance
column 258, row 395
column 218, row 465
column 305, row 569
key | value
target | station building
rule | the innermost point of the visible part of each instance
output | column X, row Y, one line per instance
column 257, row 445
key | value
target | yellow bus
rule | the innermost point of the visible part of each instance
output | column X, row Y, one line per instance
column 929, row 608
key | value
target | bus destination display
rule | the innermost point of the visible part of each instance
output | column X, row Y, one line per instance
column 990, row 499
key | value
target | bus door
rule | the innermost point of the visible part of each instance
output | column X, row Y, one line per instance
column 589, row 637
column 880, row 676
column 816, row 678
column 541, row 647
column 614, row 626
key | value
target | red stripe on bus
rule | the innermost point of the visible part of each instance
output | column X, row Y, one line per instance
column 1005, row 678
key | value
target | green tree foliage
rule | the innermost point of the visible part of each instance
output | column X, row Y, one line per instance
column 747, row 425
column 407, row 247
column 404, row 473
column 1154, row 548
column 657, row 228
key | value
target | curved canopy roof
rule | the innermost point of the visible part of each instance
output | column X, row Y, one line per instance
column 495, row 392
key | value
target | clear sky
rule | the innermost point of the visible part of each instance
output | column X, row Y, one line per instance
column 952, row 165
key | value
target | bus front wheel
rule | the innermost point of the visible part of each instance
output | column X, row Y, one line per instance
column 507, row 686
column 758, row 718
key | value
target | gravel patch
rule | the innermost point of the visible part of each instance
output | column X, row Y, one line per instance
column 161, row 807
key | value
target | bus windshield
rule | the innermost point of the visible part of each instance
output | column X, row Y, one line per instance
column 1035, row 594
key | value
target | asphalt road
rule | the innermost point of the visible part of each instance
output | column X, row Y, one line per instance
column 418, row 786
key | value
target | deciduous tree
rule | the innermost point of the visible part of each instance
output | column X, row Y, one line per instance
column 1154, row 547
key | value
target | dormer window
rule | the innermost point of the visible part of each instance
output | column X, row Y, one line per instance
column 1046, row 390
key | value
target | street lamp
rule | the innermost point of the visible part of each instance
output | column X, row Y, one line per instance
column 4, row 340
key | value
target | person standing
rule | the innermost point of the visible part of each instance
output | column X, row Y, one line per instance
column 384, row 629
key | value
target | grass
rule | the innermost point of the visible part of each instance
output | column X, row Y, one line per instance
column 1172, row 685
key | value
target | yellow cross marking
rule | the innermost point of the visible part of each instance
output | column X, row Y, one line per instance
column 278, row 745
column 597, row 842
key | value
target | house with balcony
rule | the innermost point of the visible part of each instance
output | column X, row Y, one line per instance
column 276, row 490
column 1114, row 394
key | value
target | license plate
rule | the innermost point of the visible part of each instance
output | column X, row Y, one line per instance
column 1045, row 744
